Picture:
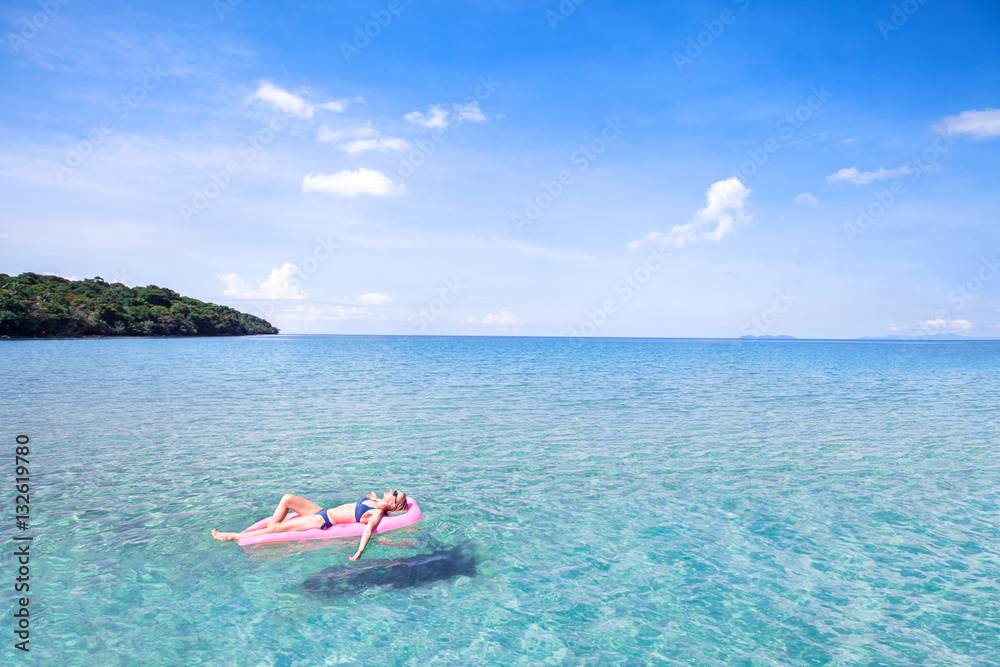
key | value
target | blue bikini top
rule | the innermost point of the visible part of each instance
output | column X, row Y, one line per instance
column 361, row 508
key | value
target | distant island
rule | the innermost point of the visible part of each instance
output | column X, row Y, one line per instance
column 39, row 306
column 782, row 337
column 894, row 338
column 922, row 337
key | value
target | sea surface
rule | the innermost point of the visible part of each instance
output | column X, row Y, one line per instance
column 604, row 502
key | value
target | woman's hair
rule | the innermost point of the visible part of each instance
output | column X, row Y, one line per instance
column 400, row 502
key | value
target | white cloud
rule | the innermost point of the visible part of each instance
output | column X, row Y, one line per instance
column 977, row 124
column 806, row 198
column 364, row 138
column 337, row 313
column 281, row 284
column 501, row 317
column 436, row 117
column 503, row 320
column 363, row 132
column 380, row 144
column 725, row 209
column 346, row 309
column 234, row 284
column 439, row 117
column 470, row 111
column 865, row 177
column 353, row 183
column 49, row 273
column 374, row 299
column 941, row 323
column 282, row 100
column 349, row 310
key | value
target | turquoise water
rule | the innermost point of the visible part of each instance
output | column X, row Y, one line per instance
column 604, row 502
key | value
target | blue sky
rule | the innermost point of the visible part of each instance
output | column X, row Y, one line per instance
column 535, row 168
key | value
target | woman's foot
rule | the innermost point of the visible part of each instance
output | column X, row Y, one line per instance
column 225, row 537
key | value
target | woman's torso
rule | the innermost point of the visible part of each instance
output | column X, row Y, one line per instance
column 345, row 513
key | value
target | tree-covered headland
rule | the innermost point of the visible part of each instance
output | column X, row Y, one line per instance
column 36, row 306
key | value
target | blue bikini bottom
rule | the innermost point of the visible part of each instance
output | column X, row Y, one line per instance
column 326, row 519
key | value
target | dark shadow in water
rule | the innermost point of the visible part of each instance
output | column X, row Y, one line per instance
column 401, row 573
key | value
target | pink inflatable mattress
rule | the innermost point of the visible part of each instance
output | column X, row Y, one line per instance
column 387, row 523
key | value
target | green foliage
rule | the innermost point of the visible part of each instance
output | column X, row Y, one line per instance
column 36, row 306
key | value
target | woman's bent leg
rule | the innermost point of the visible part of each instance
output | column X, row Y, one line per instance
column 300, row 506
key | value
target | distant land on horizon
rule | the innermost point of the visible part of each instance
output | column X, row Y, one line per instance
column 782, row 337
column 917, row 339
column 46, row 306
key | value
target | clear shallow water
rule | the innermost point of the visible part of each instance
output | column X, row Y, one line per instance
column 621, row 502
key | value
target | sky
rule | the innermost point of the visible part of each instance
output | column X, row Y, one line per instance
column 575, row 168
